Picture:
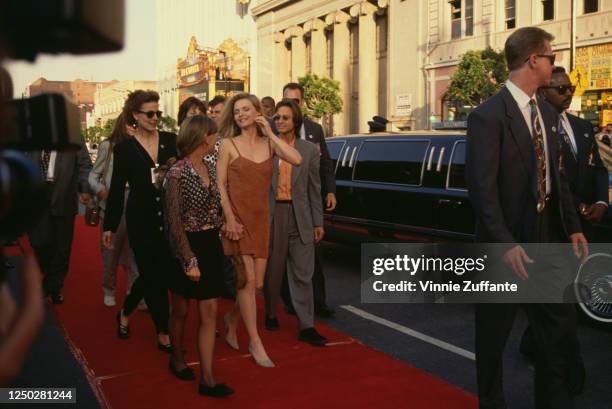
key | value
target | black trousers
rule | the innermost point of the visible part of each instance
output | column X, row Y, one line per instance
column 318, row 283
column 554, row 331
column 154, row 261
column 552, row 325
column 51, row 240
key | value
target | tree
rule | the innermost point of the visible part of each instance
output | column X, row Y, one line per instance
column 168, row 124
column 479, row 75
column 108, row 127
column 96, row 134
column 93, row 134
column 321, row 96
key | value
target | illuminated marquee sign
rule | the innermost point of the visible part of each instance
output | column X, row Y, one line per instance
column 219, row 71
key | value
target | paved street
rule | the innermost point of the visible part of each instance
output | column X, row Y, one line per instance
column 440, row 338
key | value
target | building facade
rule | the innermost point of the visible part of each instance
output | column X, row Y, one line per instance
column 79, row 92
column 361, row 44
column 395, row 58
column 212, row 24
column 110, row 97
column 205, row 72
column 457, row 26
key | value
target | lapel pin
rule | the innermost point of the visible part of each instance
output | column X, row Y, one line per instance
column 554, row 129
column 586, row 135
column 162, row 146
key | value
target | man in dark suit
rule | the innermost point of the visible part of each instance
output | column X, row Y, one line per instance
column 313, row 132
column 588, row 182
column 64, row 174
column 586, row 174
column 520, row 195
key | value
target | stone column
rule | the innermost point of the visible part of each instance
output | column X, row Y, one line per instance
column 295, row 34
column 368, row 65
column 341, row 70
column 318, row 59
column 281, row 63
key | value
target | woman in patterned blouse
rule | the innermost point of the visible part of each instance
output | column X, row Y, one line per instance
column 194, row 217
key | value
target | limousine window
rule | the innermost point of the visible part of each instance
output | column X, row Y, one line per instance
column 456, row 172
column 398, row 162
column 334, row 149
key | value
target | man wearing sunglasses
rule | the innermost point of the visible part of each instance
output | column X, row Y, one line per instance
column 313, row 132
column 587, row 176
column 519, row 195
column 588, row 182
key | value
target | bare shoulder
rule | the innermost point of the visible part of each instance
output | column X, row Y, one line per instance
column 225, row 146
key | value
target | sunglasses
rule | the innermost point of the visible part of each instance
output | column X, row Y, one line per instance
column 551, row 58
column 150, row 114
column 283, row 117
column 297, row 101
column 562, row 89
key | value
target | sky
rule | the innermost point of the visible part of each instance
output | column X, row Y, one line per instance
column 136, row 60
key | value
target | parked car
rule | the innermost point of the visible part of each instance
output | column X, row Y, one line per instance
column 410, row 187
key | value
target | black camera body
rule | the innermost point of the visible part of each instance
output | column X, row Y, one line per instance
column 49, row 121
column 46, row 121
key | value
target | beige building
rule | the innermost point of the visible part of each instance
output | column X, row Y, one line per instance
column 109, row 98
column 395, row 58
column 457, row 26
column 347, row 40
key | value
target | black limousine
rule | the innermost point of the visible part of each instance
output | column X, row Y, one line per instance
column 410, row 187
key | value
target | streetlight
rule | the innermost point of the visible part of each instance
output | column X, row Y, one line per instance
column 573, row 37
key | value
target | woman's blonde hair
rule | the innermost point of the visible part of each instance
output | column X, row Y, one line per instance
column 193, row 133
column 227, row 124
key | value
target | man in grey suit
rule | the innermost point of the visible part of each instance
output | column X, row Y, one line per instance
column 64, row 174
column 296, row 215
column 313, row 132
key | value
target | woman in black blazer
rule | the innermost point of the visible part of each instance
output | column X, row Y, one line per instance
column 137, row 162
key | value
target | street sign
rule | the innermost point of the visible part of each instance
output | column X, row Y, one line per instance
column 579, row 79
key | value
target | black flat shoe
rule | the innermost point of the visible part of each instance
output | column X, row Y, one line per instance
column 164, row 347
column 185, row 374
column 272, row 324
column 311, row 336
column 123, row 331
column 220, row 390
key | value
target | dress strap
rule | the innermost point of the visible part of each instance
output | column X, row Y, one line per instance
column 233, row 143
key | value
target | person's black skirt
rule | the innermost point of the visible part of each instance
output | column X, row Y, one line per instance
column 207, row 248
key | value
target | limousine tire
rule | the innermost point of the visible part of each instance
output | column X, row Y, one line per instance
column 593, row 288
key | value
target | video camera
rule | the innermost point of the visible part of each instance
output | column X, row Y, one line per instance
column 48, row 121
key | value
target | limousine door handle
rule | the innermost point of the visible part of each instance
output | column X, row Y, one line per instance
column 448, row 202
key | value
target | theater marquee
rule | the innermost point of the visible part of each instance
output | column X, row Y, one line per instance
column 206, row 72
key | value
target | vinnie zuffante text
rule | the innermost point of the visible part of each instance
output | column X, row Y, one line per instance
column 423, row 264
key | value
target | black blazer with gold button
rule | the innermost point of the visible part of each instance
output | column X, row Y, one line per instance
column 144, row 213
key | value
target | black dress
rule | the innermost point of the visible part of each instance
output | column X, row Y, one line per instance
column 145, row 223
column 193, row 215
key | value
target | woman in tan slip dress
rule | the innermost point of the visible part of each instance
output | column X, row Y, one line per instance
column 244, row 170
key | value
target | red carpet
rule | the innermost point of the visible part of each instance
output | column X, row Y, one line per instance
column 133, row 374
